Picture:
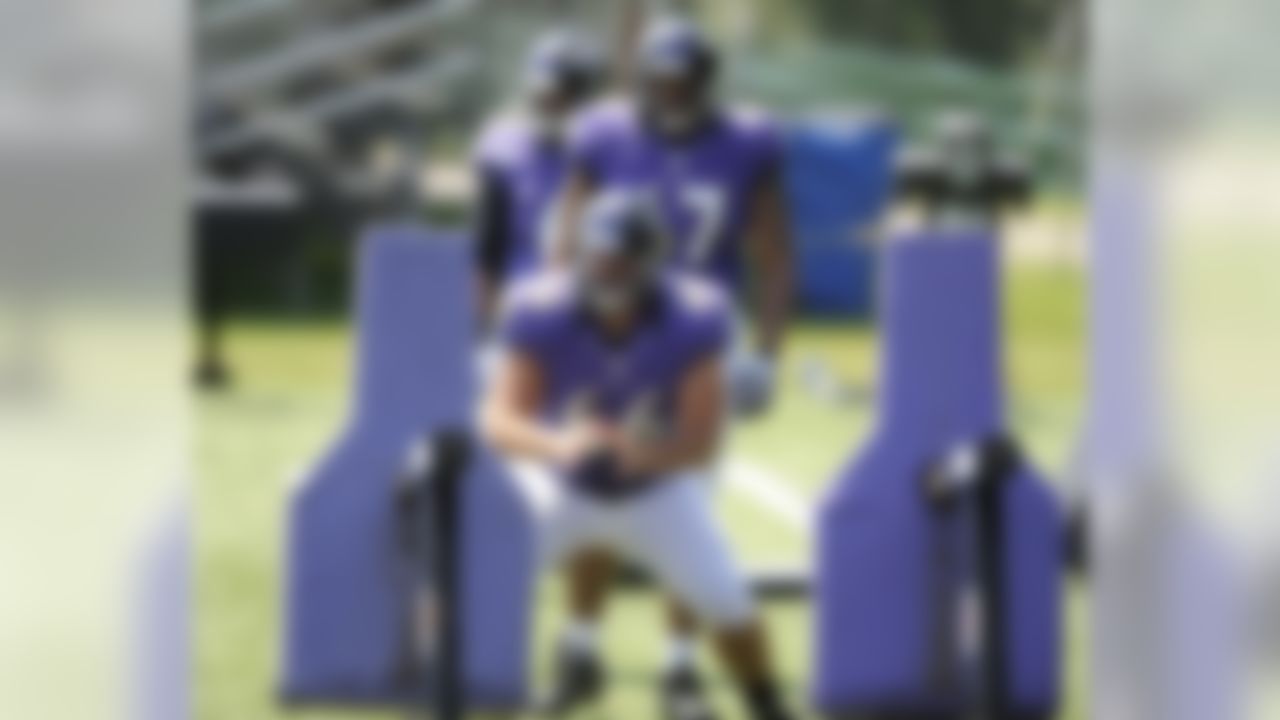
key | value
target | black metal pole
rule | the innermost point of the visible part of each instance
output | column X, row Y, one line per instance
column 999, row 463
column 974, row 485
column 452, row 456
column 429, row 512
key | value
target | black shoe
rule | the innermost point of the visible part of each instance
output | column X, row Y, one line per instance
column 777, row 712
column 765, row 702
column 683, row 697
column 579, row 680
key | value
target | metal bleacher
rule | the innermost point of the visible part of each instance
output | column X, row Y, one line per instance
column 273, row 72
column 291, row 98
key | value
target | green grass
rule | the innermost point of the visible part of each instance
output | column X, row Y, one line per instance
column 290, row 399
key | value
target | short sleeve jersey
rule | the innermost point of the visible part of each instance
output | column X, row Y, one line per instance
column 530, row 169
column 633, row 379
column 704, row 183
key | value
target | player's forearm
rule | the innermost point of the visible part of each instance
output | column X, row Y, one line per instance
column 492, row 242
column 696, row 436
column 773, row 302
column 678, row 453
column 771, row 269
column 519, row 435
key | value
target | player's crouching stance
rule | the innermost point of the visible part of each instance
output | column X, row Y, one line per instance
column 609, row 393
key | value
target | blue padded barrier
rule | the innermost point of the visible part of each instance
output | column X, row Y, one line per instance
column 876, row 636
column 346, row 616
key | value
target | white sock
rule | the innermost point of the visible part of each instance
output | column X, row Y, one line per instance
column 580, row 638
column 682, row 653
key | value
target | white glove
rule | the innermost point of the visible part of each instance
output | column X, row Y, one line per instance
column 751, row 381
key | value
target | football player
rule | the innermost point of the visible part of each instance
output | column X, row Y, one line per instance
column 609, row 395
column 521, row 161
column 715, row 174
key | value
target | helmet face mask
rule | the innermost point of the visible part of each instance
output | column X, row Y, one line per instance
column 563, row 71
column 612, row 288
column 620, row 253
column 676, row 105
column 676, row 76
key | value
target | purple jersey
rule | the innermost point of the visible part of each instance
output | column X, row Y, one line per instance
column 634, row 380
column 705, row 183
column 528, row 171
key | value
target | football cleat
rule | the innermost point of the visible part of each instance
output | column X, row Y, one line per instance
column 683, row 697
column 579, row 680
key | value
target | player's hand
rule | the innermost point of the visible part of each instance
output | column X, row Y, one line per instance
column 751, row 384
column 581, row 440
column 635, row 458
column 599, row 460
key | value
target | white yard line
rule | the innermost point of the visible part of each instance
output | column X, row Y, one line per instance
column 772, row 494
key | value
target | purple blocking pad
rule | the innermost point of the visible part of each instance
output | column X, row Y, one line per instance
column 346, row 620
column 877, row 631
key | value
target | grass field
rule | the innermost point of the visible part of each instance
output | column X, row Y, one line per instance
column 291, row 395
